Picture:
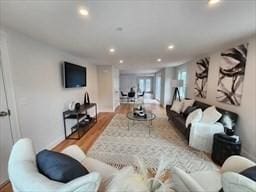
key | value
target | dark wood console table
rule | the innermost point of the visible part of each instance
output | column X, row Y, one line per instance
column 83, row 121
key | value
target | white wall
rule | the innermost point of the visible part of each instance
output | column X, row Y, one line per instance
column 167, row 74
column 127, row 81
column 247, row 110
column 105, row 87
column 40, row 96
column 116, row 97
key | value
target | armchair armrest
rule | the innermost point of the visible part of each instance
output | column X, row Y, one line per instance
column 236, row 164
column 90, row 182
column 184, row 182
column 75, row 152
column 234, row 182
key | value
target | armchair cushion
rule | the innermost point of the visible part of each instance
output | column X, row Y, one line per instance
column 208, row 180
column 59, row 167
column 234, row 182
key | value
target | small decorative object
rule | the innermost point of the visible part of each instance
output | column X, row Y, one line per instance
column 142, row 179
column 231, row 75
column 86, row 98
column 202, row 68
column 77, row 106
column 72, row 106
column 229, row 132
column 228, row 125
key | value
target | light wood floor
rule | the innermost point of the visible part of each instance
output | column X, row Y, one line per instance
column 88, row 139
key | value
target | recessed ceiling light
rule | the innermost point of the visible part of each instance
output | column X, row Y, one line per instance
column 121, row 61
column 212, row 2
column 170, row 47
column 159, row 60
column 119, row 28
column 112, row 50
column 83, row 12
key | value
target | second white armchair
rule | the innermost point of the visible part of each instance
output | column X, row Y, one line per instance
column 227, row 177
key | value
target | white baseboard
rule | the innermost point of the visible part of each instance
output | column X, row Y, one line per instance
column 55, row 142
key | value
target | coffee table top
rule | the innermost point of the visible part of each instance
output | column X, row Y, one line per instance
column 150, row 116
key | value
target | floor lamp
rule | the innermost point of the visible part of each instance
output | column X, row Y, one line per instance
column 176, row 84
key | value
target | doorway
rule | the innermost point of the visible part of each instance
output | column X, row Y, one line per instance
column 6, row 136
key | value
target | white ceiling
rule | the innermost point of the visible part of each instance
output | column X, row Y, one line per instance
column 148, row 28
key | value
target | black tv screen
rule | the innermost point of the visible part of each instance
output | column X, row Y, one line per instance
column 74, row 75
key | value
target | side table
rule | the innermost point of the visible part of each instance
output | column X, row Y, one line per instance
column 224, row 146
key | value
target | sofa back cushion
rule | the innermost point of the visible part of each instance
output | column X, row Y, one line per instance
column 211, row 115
column 189, row 110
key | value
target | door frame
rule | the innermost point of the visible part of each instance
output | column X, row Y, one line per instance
column 9, row 87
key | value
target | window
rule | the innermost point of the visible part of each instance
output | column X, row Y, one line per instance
column 145, row 84
column 182, row 75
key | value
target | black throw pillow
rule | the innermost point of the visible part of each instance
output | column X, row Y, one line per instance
column 59, row 167
column 249, row 173
column 189, row 110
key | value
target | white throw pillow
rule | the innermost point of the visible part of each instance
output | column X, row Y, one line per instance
column 211, row 115
column 187, row 103
column 177, row 106
column 194, row 117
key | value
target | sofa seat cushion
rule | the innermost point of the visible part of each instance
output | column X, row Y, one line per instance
column 208, row 180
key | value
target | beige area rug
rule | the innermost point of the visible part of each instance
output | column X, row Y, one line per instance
column 117, row 145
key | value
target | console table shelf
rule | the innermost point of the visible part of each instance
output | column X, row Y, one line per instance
column 83, row 121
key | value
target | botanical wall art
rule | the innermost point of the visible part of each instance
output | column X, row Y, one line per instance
column 231, row 75
column 202, row 68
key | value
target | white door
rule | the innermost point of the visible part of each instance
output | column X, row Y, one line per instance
column 6, row 139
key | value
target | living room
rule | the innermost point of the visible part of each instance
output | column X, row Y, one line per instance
column 143, row 63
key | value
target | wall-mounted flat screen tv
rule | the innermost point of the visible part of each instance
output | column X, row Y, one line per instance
column 74, row 75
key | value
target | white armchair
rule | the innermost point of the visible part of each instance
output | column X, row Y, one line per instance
column 212, row 181
column 24, row 175
column 201, row 135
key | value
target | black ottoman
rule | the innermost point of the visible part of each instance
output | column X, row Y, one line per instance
column 224, row 146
